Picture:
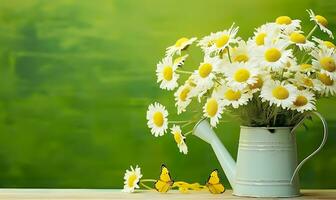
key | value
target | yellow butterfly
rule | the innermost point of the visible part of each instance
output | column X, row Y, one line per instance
column 214, row 185
column 165, row 182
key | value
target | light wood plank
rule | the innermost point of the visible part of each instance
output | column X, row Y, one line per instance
column 101, row 194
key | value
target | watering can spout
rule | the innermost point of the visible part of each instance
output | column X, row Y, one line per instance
column 204, row 131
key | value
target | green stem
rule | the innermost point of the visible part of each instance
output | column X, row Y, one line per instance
column 311, row 32
column 295, row 49
column 148, row 180
column 282, row 74
column 183, row 72
column 187, row 133
column 178, row 122
column 228, row 52
column 303, row 57
column 275, row 115
column 146, row 186
column 187, row 124
column 308, row 59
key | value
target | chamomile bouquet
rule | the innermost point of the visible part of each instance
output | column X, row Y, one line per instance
column 272, row 79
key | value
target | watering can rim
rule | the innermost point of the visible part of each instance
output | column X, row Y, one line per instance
column 248, row 127
column 267, row 127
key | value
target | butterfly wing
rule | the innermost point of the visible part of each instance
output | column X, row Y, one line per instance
column 162, row 186
column 165, row 182
column 216, row 189
column 214, row 185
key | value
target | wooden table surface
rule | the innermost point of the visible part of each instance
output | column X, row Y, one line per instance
column 93, row 194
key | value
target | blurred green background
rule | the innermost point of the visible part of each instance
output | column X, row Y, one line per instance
column 76, row 78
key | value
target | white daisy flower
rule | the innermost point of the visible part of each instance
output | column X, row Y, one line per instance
column 297, row 38
column 274, row 55
column 231, row 97
column 303, row 81
column 157, row 119
column 241, row 53
column 328, row 85
column 179, row 61
column 287, row 24
column 213, row 109
column 224, row 39
column 132, row 178
column 165, row 72
column 326, row 44
column 279, row 93
column 292, row 64
column 259, row 83
column 240, row 75
column 325, row 60
column 183, row 97
column 180, row 45
column 179, row 139
column 207, row 42
column 205, row 74
column 269, row 30
column 305, row 68
column 304, row 101
column 321, row 21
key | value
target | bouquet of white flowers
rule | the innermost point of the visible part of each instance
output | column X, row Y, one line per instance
column 273, row 79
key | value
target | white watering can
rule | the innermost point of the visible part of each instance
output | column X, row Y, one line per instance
column 266, row 162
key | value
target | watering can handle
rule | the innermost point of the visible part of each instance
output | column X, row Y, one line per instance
column 325, row 136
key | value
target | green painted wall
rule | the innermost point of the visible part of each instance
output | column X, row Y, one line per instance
column 76, row 78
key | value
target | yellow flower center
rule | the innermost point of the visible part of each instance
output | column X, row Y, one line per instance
column 158, row 119
column 181, row 41
column 232, row 95
column 325, row 79
column 328, row 63
column 308, row 82
column 297, row 38
column 283, row 20
column 329, row 44
column 260, row 38
column 131, row 180
column 167, row 73
column 212, row 107
column 322, row 20
column 305, row 66
column 184, row 93
column 280, row 92
column 205, row 69
column 241, row 75
column 300, row 100
column 257, row 84
column 241, row 58
column 222, row 41
column 272, row 55
column 178, row 137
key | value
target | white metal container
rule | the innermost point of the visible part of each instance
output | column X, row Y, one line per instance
column 266, row 161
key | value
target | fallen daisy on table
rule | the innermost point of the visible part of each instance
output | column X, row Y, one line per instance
column 165, row 182
column 132, row 178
